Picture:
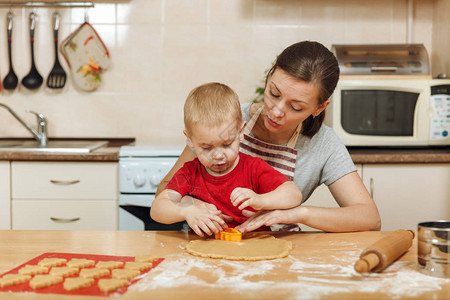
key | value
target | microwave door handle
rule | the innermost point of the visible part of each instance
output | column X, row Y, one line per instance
column 383, row 69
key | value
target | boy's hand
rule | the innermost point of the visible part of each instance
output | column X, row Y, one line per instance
column 203, row 217
column 243, row 197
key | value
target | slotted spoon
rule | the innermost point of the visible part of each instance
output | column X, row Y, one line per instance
column 57, row 77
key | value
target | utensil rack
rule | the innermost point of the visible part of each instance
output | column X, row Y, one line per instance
column 46, row 4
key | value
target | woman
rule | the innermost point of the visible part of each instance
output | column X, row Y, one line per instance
column 287, row 132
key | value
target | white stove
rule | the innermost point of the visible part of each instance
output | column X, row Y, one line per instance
column 141, row 169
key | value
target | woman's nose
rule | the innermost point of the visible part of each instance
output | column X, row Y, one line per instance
column 276, row 111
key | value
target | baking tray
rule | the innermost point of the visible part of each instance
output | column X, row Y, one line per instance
column 92, row 290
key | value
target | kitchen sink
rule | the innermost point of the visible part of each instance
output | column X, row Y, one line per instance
column 66, row 146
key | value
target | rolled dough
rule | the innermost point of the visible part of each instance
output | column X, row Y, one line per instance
column 254, row 247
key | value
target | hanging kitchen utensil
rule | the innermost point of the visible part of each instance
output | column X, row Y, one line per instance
column 57, row 77
column 10, row 81
column 33, row 80
column 86, row 55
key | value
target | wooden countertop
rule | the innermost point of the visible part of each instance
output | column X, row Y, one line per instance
column 392, row 155
column 110, row 153
column 320, row 266
column 359, row 155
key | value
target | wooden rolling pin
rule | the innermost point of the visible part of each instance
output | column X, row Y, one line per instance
column 381, row 254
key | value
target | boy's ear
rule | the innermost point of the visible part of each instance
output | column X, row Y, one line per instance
column 188, row 138
column 241, row 131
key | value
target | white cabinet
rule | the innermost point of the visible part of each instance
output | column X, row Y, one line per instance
column 5, row 195
column 64, row 195
column 322, row 197
column 407, row 194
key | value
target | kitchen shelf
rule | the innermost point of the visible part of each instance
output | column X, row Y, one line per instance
column 47, row 3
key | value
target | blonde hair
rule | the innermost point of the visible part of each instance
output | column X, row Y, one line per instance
column 211, row 104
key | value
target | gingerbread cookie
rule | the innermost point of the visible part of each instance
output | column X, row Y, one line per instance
column 138, row 265
column 94, row 273
column 41, row 281
column 124, row 273
column 52, row 262
column 109, row 264
column 109, row 285
column 33, row 270
column 64, row 271
column 146, row 258
column 13, row 279
column 71, row 284
column 80, row 263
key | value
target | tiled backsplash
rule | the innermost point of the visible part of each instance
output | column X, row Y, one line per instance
column 161, row 49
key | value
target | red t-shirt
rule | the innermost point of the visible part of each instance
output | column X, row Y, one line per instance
column 251, row 172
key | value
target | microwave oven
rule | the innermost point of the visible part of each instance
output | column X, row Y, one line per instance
column 391, row 112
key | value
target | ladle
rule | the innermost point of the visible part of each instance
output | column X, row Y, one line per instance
column 33, row 80
column 10, row 81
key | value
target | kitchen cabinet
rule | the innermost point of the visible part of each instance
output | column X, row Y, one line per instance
column 5, row 195
column 407, row 194
column 67, row 195
column 322, row 197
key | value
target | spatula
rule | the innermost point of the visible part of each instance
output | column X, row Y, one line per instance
column 57, row 77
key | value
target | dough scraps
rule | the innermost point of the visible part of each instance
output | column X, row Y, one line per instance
column 41, row 281
column 13, row 279
column 94, row 273
column 75, row 283
column 33, row 270
column 109, row 264
column 64, row 271
column 124, row 274
column 252, row 247
column 146, row 258
column 109, row 285
column 52, row 262
column 138, row 265
column 80, row 263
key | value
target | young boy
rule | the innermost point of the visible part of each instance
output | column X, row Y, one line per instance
column 211, row 191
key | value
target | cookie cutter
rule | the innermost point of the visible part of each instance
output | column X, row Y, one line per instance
column 229, row 234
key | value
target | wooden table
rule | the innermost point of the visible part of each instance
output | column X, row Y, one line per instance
column 320, row 266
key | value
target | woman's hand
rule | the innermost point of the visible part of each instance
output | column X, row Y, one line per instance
column 243, row 197
column 203, row 217
column 267, row 218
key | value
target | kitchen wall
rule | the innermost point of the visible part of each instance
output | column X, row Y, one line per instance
column 161, row 49
column 441, row 39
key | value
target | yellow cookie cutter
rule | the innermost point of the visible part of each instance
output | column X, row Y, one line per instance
column 229, row 234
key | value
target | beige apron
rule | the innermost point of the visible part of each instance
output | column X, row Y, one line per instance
column 281, row 158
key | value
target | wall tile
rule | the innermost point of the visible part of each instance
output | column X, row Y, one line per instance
column 140, row 12
column 101, row 13
column 281, row 12
column 185, row 11
column 161, row 49
column 231, row 12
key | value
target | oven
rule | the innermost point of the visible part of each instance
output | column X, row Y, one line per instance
column 141, row 169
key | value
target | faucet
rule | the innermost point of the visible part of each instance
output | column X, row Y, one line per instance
column 41, row 134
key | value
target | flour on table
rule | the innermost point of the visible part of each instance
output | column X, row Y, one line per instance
column 303, row 279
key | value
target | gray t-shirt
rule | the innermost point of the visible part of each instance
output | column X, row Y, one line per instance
column 320, row 159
